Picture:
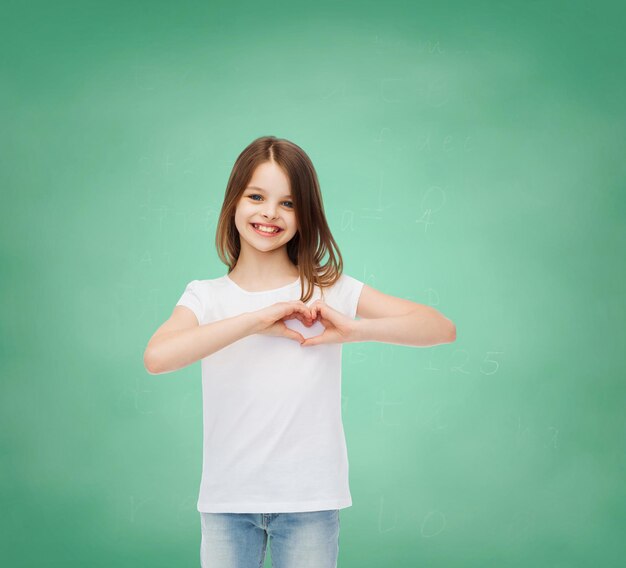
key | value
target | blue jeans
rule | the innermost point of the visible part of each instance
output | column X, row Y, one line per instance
column 297, row 540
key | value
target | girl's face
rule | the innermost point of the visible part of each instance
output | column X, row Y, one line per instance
column 267, row 200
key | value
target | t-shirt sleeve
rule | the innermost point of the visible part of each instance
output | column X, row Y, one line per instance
column 192, row 298
column 349, row 292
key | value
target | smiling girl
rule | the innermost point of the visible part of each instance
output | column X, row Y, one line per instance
column 269, row 335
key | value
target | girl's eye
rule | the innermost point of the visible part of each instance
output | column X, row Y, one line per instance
column 252, row 196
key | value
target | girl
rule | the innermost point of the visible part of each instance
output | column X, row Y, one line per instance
column 269, row 335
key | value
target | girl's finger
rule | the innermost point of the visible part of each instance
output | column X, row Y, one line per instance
column 302, row 309
column 305, row 311
column 291, row 334
column 316, row 340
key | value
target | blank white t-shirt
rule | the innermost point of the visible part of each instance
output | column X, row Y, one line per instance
column 273, row 438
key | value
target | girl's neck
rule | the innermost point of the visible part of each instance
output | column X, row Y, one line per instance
column 266, row 278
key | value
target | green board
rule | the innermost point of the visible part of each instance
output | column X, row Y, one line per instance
column 471, row 158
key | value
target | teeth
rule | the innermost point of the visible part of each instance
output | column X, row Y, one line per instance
column 265, row 229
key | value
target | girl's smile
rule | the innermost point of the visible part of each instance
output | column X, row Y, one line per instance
column 265, row 233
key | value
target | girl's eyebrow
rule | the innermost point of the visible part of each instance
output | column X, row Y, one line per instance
column 261, row 189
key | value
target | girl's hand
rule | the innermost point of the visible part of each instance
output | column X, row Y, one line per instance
column 339, row 327
column 271, row 319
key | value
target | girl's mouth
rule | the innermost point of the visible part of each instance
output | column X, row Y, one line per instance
column 265, row 233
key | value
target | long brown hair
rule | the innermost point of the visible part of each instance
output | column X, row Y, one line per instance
column 313, row 239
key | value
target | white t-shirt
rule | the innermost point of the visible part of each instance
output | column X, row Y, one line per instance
column 273, row 438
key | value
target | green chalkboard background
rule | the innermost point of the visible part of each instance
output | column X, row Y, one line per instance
column 471, row 157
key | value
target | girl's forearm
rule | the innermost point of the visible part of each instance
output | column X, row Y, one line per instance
column 422, row 327
column 178, row 349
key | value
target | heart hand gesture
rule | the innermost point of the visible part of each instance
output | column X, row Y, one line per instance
column 339, row 327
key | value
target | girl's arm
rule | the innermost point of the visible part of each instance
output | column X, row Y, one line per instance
column 421, row 327
column 383, row 318
column 180, row 341
column 389, row 319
